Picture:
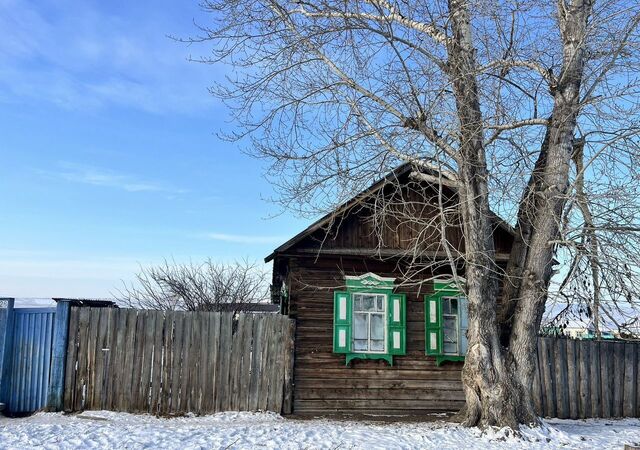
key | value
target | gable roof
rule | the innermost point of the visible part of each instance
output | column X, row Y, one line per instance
column 399, row 171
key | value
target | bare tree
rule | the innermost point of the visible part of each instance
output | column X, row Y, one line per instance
column 522, row 107
column 197, row 287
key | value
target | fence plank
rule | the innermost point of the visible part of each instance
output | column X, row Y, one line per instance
column 263, row 390
column 212, row 370
column 185, row 365
column 224, row 355
column 137, row 361
column 596, row 402
column 572, row 378
column 561, row 378
column 254, row 382
column 606, row 376
column 618, row 382
column 235, row 362
column 245, row 372
column 83, row 351
column 549, row 379
column 167, row 345
column 160, row 329
column 289, row 353
column 72, row 355
column 630, row 381
column 584, row 409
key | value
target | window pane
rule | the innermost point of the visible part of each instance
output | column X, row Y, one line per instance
column 454, row 306
column 360, row 326
column 360, row 345
column 377, row 345
column 445, row 305
column 377, row 326
column 368, row 302
column 357, row 302
column 450, row 335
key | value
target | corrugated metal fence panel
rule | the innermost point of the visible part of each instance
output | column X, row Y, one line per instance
column 31, row 359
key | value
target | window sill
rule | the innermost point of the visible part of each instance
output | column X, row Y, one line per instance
column 443, row 358
column 351, row 356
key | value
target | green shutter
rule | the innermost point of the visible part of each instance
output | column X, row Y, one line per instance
column 463, row 324
column 396, row 324
column 342, row 317
column 433, row 324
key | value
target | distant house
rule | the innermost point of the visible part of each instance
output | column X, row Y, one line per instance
column 367, row 339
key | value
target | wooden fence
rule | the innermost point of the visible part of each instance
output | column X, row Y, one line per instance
column 580, row 379
column 171, row 363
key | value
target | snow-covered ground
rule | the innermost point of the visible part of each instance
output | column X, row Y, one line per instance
column 110, row 430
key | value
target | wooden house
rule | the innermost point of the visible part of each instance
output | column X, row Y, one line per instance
column 371, row 339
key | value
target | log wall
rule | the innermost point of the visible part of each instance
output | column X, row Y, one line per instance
column 323, row 384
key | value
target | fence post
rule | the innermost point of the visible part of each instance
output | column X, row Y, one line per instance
column 59, row 355
column 6, row 346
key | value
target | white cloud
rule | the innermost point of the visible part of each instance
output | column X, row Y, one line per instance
column 244, row 238
column 86, row 59
column 78, row 173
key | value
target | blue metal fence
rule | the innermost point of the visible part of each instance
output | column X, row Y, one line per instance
column 30, row 359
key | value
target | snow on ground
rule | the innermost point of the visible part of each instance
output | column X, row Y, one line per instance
column 107, row 430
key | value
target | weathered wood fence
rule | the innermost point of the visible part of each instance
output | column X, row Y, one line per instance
column 171, row 363
column 579, row 379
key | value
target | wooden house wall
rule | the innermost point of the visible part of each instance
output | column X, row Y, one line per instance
column 418, row 220
column 324, row 384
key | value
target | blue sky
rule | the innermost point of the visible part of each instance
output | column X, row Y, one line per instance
column 108, row 152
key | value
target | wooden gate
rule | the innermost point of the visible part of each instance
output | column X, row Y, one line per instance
column 172, row 363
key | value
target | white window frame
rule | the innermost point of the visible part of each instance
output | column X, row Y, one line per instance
column 385, row 300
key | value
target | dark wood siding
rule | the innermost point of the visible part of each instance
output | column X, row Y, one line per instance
column 410, row 222
column 324, row 385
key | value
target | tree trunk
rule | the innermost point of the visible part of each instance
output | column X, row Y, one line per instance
column 498, row 380
column 487, row 385
column 550, row 200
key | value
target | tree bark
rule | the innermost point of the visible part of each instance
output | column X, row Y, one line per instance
column 487, row 386
column 551, row 197
column 498, row 380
